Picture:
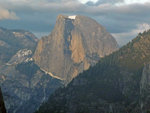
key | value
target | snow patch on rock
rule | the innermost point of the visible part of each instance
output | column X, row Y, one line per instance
column 73, row 17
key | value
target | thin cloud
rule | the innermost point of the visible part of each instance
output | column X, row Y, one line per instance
column 124, row 37
column 6, row 14
column 40, row 16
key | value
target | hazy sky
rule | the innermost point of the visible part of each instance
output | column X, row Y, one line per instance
column 124, row 19
column 85, row 1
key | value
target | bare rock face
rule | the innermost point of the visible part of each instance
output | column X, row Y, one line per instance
column 2, row 105
column 12, row 41
column 25, row 86
column 75, row 44
column 117, row 84
column 23, row 55
column 144, row 90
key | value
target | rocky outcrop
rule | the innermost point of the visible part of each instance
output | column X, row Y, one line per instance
column 145, row 90
column 2, row 105
column 117, row 84
column 12, row 41
column 23, row 55
column 25, row 86
column 75, row 44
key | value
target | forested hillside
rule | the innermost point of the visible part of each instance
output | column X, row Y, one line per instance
column 112, row 86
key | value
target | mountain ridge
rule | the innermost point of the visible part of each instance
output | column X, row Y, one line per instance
column 25, row 86
column 111, row 86
column 12, row 41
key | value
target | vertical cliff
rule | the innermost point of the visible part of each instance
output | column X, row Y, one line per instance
column 76, row 43
column 117, row 84
column 144, row 90
column 2, row 105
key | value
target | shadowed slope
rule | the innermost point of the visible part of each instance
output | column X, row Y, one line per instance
column 112, row 86
column 2, row 105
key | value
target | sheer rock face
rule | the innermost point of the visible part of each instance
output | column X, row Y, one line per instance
column 73, row 46
column 24, row 85
column 117, row 84
column 144, row 90
column 2, row 105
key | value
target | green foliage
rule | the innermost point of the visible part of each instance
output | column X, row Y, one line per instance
column 115, row 79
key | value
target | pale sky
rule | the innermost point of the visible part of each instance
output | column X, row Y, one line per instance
column 125, row 1
column 85, row 1
column 129, row 2
column 135, row 1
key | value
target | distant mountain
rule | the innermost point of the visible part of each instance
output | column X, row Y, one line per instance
column 117, row 84
column 2, row 105
column 13, row 40
column 25, row 86
column 75, row 44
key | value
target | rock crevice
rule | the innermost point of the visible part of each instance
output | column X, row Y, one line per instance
column 73, row 46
